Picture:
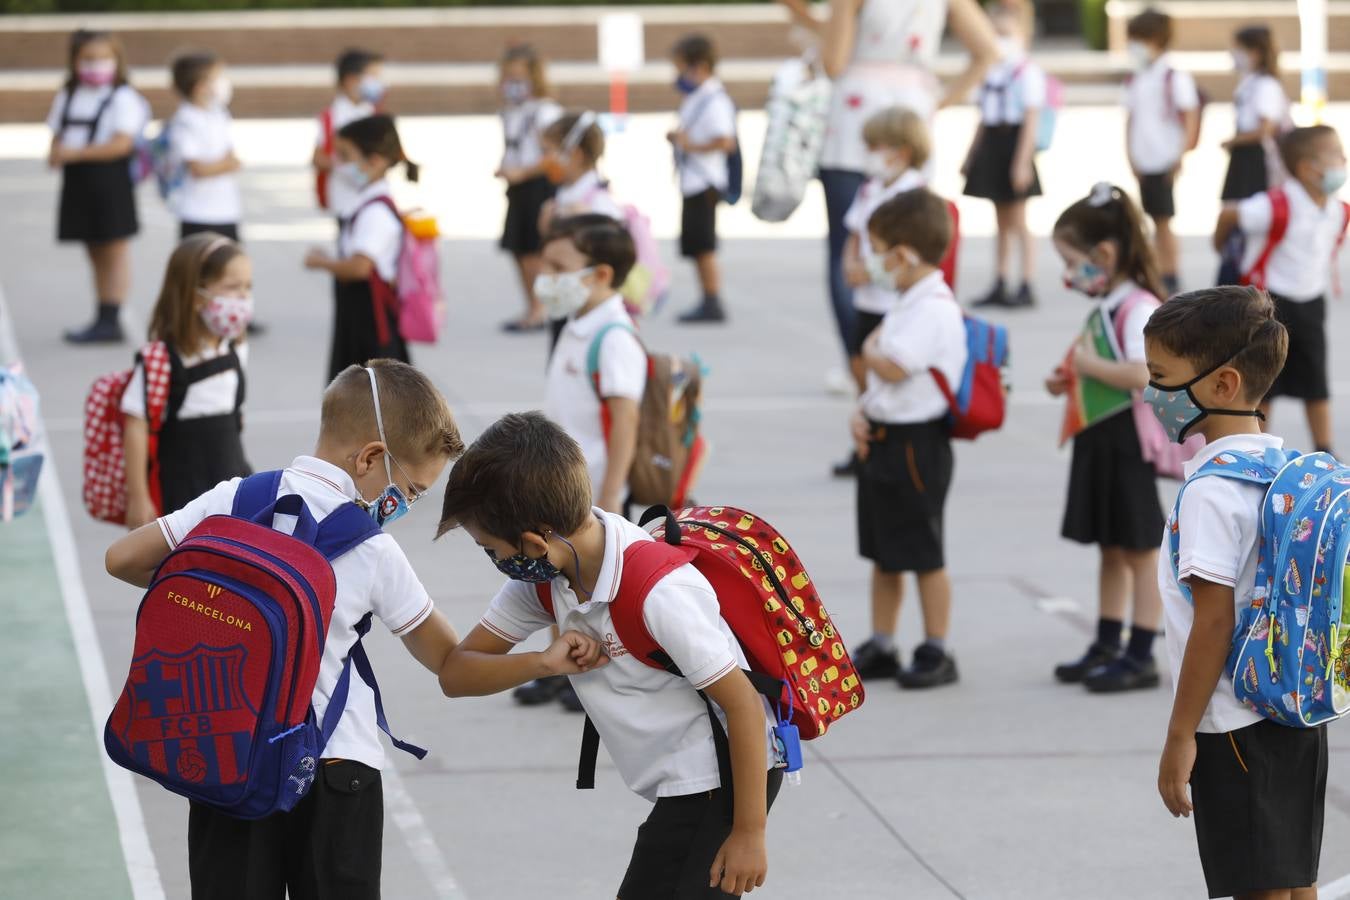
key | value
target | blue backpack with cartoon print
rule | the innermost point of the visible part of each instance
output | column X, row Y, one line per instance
column 1292, row 644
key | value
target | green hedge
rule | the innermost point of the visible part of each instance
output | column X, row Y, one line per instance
column 87, row 6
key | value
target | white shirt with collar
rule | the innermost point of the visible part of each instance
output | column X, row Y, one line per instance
column 1133, row 327
column 1013, row 85
column 588, row 194
column 375, row 576
column 213, row 396
column 1299, row 268
column 705, row 116
column 1259, row 97
column 342, row 111
column 1218, row 525
column 874, row 192
column 202, row 134
column 522, row 126
column 923, row 331
column 654, row 725
column 373, row 231
column 570, row 395
column 1157, row 137
column 127, row 113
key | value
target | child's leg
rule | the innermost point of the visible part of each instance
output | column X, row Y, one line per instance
column 1319, row 423
column 888, row 589
column 1003, row 216
column 229, row 858
column 1125, row 573
column 334, row 841
column 112, row 270
column 1166, row 244
column 1113, row 585
column 709, row 275
column 1147, row 615
column 1017, row 218
column 935, row 598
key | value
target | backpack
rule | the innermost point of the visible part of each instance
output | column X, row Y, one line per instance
column 797, row 658
column 320, row 176
column 105, row 476
column 949, row 258
column 797, row 111
column 980, row 401
column 1049, row 112
column 1202, row 100
column 1279, row 227
column 648, row 282
column 155, row 157
column 670, row 449
column 21, row 442
column 229, row 641
column 735, row 160
column 416, row 291
column 1291, row 646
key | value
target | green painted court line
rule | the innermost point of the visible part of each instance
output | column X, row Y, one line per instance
column 57, row 825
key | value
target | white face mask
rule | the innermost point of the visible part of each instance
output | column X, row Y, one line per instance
column 1242, row 62
column 222, row 92
column 1010, row 47
column 877, row 165
column 352, row 175
column 877, row 271
column 562, row 294
column 1140, row 56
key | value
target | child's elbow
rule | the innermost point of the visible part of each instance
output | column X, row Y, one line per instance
column 116, row 562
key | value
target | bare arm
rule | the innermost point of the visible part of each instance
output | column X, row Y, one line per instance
column 118, row 146
column 135, row 557
column 1190, row 124
column 321, row 161
column 885, row 368
column 483, row 663
column 971, row 27
column 1267, row 129
column 1228, row 220
column 800, row 11
column 1122, row 374
column 620, row 451
column 224, row 166
column 136, row 449
column 432, row 642
column 1025, row 155
column 743, row 861
column 716, row 145
column 841, row 29
column 357, row 267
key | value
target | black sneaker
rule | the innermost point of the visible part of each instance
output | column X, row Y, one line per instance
column 1023, row 299
column 1125, row 674
column 931, row 667
column 568, row 697
column 540, row 691
column 872, row 662
column 105, row 332
column 849, row 468
column 708, row 312
column 1096, row 657
column 997, row 296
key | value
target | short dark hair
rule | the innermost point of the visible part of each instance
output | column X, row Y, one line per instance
column 417, row 419
column 600, row 239
column 355, row 61
column 1300, row 144
column 1231, row 324
column 524, row 473
column 377, row 135
column 189, row 69
column 1152, row 25
column 693, row 49
column 918, row 219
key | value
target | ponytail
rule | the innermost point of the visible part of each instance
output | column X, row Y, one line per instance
column 1108, row 214
column 377, row 136
column 1259, row 40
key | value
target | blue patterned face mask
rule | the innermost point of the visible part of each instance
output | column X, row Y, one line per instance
column 1179, row 411
column 391, row 504
column 536, row 571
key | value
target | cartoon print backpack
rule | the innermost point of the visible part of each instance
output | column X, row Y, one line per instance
column 980, row 401
column 1279, row 227
column 797, row 109
column 105, row 475
column 670, row 448
column 648, row 283
column 1292, row 645
column 21, row 442
column 229, row 641
column 155, row 157
column 416, row 291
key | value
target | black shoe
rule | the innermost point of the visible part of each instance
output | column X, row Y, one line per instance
column 998, row 296
column 101, row 332
column 931, row 667
column 540, row 691
column 1023, row 299
column 1125, row 674
column 568, row 697
column 871, row 661
column 849, row 468
column 1096, row 657
column 709, row 311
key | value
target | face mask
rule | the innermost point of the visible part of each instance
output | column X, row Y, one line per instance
column 1241, row 61
column 391, row 504
column 515, row 91
column 1009, row 47
column 371, row 89
column 877, row 165
column 228, row 317
column 1333, row 180
column 98, row 72
column 1179, row 411
column 1140, row 55
column 535, row 571
column 222, row 92
column 562, row 294
column 351, row 174
column 1088, row 278
column 684, row 85
column 877, row 271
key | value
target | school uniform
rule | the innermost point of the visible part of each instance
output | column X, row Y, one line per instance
column 1259, row 98
column 1156, row 98
column 330, row 844
column 199, row 436
column 98, row 200
column 1255, row 783
column 706, row 115
column 523, row 124
column 653, row 724
column 1012, row 87
column 1113, row 492
column 572, row 398
column 1297, row 276
column 202, row 135
column 365, row 313
column 873, row 302
column 340, row 113
column 902, row 487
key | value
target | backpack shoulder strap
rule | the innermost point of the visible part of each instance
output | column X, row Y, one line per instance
column 645, row 563
column 255, row 493
column 1279, row 225
column 337, row 703
column 1123, row 314
column 593, row 351
column 344, row 529
column 545, row 594
column 326, row 125
column 157, row 367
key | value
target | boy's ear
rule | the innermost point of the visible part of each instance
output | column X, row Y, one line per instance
column 1228, row 387
column 534, row 544
column 367, row 457
column 603, row 273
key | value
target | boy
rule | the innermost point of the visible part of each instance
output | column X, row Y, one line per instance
column 199, row 136
column 901, row 435
column 1163, row 124
column 1299, row 268
column 1253, row 783
column 361, row 88
column 705, row 136
column 523, row 493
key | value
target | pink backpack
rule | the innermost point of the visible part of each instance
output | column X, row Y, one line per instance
column 647, row 284
column 417, row 281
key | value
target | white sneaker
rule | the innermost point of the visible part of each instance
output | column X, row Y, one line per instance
column 839, row 383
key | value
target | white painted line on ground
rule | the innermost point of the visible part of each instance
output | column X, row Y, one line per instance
column 1336, row 890
column 1058, row 606
column 401, row 808
column 136, row 850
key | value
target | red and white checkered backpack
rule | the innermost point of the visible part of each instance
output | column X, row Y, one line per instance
column 105, row 476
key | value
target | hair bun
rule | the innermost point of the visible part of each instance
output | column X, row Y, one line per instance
column 1103, row 192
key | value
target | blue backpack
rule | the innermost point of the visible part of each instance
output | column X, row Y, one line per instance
column 980, row 402
column 1288, row 661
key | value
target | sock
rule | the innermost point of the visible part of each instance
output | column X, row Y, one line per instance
column 1326, row 450
column 107, row 313
column 1140, row 648
column 937, row 643
column 712, row 300
column 885, row 642
column 1108, row 633
column 1172, row 283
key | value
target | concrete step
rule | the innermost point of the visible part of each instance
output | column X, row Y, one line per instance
column 1209, row 25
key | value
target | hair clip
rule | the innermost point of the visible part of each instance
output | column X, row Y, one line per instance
column 1103, row 192
column 578, row 130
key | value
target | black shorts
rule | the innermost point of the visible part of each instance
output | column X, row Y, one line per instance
column 698, row 224
column 1259, row 795
column 1155, row 195
column 677, row 844
column 902, row 491
column 864, row 325
column 1305, row 367
column 188, row 229
column 520, row 234
column 328, row 846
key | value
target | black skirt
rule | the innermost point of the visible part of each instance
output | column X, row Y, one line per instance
column 98, row 202
column 1113, row 493
column 1247, row 174
column 990, row 174
column 521, row 234
column 356, row 340
column 195, row 455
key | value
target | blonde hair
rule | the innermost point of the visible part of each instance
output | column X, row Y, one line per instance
column 901, row 129
column 418, row 425
column 196, row 262
column 534, row 64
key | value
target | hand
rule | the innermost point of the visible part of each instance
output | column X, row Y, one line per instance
column 679, row 139
column 1174, row 773
column 1083, row 358
column 742, row 862
column 855, row 273
column 862, row 434
column 140, row 511
column 1057, row 383
column 1021, row 175
column 58, row 156
column 233, row 162
column 1229, row 144
column 573, row 653
column 612, row 501
column 316, row 259
column 323, row 161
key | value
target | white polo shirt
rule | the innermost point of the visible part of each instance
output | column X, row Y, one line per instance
column 654, row 726
column 924, row 330
column 1218, row 525
column 874, row 192
column 588, row 194
column 374, row 231
column 127, row 113
column 1259, row 98
column 1012, row 86
column 213, row 396
column 341, row 112
column 705, row 115
column 375, row 577
column 522, row 126
column 202, row 135
column 1133, row 327
column 1299, row 269
column 1156, row 136
column 570, row 395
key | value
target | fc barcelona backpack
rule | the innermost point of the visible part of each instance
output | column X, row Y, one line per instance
column 229, row 640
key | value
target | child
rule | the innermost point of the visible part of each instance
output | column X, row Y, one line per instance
column 527, row 110
column 901, row 435
column 360, row 91
column 365, row 308
column 705, row 136
column 523, row 493
column 199, row 135
column 203, row 310
column 330, row 844
column 1001, row 164
column 1299, row 268
column 897, row 150
column 1164, row 123
column 1260, row 109
column 1113, row 492
column 1253, row 783
column 95, row 120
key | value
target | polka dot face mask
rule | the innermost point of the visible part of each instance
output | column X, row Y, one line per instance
column 228, row 317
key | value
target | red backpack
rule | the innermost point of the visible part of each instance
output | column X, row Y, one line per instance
column 948, row 263
column 105, row 474
column 1279, row 227
column 320, row 176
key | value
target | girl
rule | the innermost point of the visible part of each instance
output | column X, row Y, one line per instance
column 1261, row 110
column 527, row 109
column 95, row 121
column 365, row 317
column 203, row 310
column 1113, row 493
